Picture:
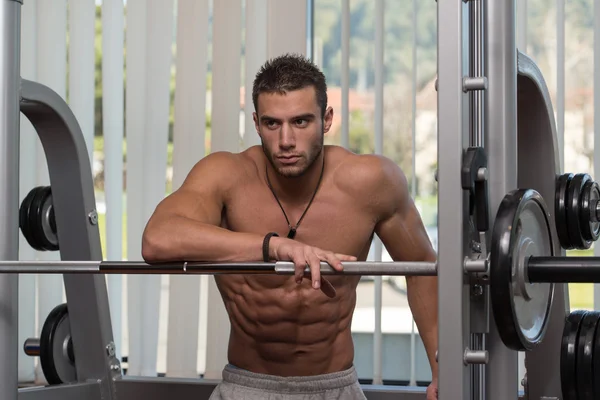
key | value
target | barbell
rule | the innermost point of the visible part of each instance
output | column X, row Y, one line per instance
column 522, row 267
column 207, row 268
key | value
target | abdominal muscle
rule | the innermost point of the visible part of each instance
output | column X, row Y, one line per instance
column 279, row 327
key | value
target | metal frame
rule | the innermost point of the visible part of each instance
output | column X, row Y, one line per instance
column 10, row 28
column 89, row 390
column 454, row 380
column 74, row 205
column 501, row 148
column 539, row 157
column 98, row 371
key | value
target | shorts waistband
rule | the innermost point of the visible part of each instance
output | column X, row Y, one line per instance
column 291, row 384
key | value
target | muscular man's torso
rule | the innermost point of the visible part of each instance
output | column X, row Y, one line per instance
column 277, row 326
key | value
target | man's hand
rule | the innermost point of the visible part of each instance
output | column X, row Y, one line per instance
column 303, row 256
column 432, row 390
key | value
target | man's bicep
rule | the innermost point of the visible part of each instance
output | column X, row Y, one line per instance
column 198, row 205
column 404, row 235
column 399, row 224
column 200, row 196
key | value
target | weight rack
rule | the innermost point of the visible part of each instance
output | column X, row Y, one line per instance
column 490, row 97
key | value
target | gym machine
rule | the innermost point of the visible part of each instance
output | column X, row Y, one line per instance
column 502, row 280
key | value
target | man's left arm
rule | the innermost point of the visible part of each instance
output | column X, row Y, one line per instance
column 401, row 230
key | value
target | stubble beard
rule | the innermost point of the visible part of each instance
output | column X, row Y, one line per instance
column 296, row 171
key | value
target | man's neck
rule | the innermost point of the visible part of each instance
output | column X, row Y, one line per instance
column 297, row 189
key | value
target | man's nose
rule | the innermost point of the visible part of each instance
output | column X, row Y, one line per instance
column 287, row 138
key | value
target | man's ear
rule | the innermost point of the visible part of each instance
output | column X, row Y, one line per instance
column 255, row 119
column 327, row 119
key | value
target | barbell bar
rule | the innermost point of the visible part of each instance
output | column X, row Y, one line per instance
column 405, row 268
column 539, row 269
column 563, row 269
column 31, row 347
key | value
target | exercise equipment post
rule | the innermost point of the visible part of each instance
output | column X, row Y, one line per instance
column 453, row 137
column 521, row 150
column 76, row 218
column 10, row 13
column 501, row 148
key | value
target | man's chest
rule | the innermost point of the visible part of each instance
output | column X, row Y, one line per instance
column 333, row 221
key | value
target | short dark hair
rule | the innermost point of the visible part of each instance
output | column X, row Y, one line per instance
column 290, row 72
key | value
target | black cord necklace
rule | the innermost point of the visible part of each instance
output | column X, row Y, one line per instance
column 292, row 232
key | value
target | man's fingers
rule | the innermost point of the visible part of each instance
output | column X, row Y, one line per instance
column 300, row 266
column 345, row 257
column 311, row 258
column 334, row 261
column 432, row 392
column 315, row 270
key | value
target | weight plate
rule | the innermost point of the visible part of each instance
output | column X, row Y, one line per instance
column 43, row 219
column 589, row 221
column 568, row 354
column 574, row 226
column 36, row 219
column 24, row 219
column 521, row 229
column 596, row 363
column 585, row 354
column 56, row 347
column 560, row 210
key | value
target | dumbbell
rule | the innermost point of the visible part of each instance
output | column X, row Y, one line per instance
column 577, row 210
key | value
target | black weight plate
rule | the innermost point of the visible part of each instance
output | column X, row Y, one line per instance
column 594, row 220
column 585, row 354
column 57, row 364
column 40, row 205
column 585, row 214
column 34, row 217
column 589, row 198
column 560, row 210
column 521, row 229
column 568, row 354
column 24, row 219
column 575, row 192
column 596, row 363
column 35, row 225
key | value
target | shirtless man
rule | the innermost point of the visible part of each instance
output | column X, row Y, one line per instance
column 291, row 334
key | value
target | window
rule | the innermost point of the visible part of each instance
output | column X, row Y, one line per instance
column 409, row 139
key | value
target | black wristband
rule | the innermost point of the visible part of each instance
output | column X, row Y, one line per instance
column 265, row 248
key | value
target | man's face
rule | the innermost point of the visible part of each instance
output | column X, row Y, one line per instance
column 291, row 129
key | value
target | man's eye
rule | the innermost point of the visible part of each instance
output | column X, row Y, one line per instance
column 271, row 124
column 301, row 122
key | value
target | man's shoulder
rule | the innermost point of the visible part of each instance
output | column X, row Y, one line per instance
column 223, row 167
column 373, row 181
column 364, row 171
column 229, row 161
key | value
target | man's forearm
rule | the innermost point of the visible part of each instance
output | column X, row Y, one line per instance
column 180, row 238
column 423, row 301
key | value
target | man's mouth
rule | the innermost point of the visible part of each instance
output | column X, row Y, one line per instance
column 288, row 159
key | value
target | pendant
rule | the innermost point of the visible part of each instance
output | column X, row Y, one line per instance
column 292, row 233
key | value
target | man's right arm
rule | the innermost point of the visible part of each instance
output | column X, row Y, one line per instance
column 186, row 224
